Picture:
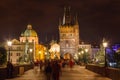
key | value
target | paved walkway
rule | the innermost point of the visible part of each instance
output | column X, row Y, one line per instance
column 77, row 73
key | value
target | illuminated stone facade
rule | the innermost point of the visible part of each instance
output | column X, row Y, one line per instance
column 29, row 35
column 27, row 48
column 16, row 51
column 30, row 39
column 68, row 33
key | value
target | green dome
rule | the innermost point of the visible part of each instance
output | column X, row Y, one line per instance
column 29, row 32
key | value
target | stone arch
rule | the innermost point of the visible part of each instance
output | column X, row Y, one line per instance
column 67, row 56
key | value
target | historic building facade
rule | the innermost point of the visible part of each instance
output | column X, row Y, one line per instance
column 69, row 34
column 30, row 39
column 27, row 48
column 15, row 51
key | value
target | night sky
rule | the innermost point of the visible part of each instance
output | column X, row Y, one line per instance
column 97, row 18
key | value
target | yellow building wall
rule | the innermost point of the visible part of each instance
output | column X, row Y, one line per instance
column 40, row 52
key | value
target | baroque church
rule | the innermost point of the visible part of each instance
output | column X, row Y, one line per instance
column 69, row 34
column 27, row 49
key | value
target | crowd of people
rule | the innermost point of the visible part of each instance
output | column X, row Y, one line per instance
column 52, row 69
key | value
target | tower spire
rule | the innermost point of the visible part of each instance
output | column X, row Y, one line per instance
column 64, row 15
column 67, row 16
column 76, row 19
column 46, row 38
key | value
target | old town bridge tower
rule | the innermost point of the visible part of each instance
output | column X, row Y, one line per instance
column 69, row 34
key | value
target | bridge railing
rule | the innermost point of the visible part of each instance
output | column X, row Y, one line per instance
column 112, row 73
column 16, row 72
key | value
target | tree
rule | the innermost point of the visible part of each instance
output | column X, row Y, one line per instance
column 100, row 55
column 3, row 54
column 117, row 57
column 83, row 55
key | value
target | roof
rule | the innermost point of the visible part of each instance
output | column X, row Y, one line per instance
column 29, row 32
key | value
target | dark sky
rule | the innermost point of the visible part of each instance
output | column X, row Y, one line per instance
column 97, row 18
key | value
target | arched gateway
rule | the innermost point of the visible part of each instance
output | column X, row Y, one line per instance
column 67, row 56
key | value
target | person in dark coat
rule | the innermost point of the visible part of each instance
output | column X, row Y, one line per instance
column 41, row 65
column 48, row 71
column 9, row 69
column 56, row 71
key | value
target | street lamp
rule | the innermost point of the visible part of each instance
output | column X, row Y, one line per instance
column 86, row 57
column 9, row 43
column 105, row 44
column 86, row 50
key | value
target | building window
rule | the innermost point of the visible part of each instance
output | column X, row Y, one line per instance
column 67, row 43
column 11, row 54
column 32, row 40
column 70, row 34
column 63, row 35
column 18, row 54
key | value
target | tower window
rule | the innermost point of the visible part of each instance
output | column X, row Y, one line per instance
column 63, row 35
column 32, row 40
column 18, row 54
column 67, row 43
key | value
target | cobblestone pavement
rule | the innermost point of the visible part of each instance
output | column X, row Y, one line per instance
column 77, row 73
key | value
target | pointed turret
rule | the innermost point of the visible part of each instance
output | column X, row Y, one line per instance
column 67, row 16
column 76, row 20
column 64, row 16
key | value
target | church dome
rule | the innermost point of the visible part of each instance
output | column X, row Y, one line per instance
column 29, row 32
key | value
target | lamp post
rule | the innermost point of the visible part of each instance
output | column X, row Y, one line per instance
column 9, row 43
column 105, row 44
column 86, row 59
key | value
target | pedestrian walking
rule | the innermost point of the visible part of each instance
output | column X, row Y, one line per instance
column 48, row 71
column 71, row 63
column 56, row 71
column 41, row 65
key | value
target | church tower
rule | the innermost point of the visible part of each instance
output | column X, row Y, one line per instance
column 69, row 34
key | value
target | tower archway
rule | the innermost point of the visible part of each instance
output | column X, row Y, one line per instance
column 67, row 56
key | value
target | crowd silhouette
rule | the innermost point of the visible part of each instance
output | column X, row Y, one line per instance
column 53, row 68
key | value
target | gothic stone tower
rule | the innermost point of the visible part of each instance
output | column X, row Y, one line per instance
column 69, row 34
